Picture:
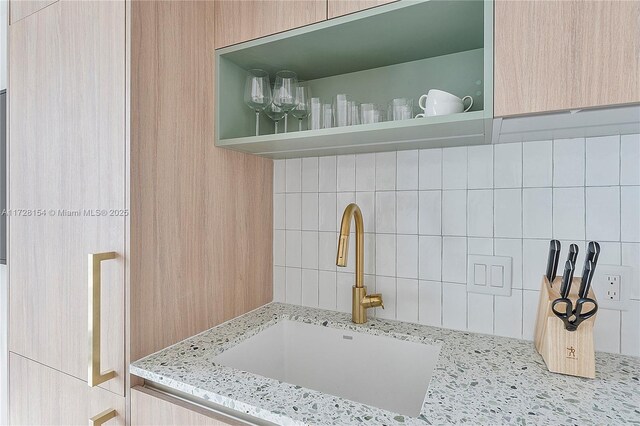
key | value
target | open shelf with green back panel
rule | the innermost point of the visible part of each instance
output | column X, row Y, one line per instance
column 402, row 49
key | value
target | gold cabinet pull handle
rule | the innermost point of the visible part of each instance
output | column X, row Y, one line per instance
column 102, row 418
column 95, row 376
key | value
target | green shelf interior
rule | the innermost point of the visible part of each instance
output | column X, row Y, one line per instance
column 399, row 50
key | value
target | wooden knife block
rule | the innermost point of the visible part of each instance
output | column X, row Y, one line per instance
column 565, row 352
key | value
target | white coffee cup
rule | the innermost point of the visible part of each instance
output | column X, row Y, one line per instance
column 438, row 102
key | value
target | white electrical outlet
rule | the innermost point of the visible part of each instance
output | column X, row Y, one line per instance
column 612, row 286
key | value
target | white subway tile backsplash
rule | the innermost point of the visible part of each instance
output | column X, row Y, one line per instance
column 386, row 255
column 454, row 168
column 309, row 221
column 385, row 171
column 629, row 159
column 480, row 174
column 630, row 213
column 407, row 298
column 454, row 306
column 537, row 212
column 279, row 209
column 407, row 256
column 503, row 200
column 327, row 213
column 480, row 213
column 454, row 259
column 454, row 213
column 507, row 213
column 568, row 162
column 293, row 169
column 279, row 176
column 310, row 287
column 569, row 213
column 386, row 212
column 480, row 313
column 309, row 249
column 537, row 164
column 407, row 212
column 293, row 211
column 508, row 165
column 293, row 292
column 606, row 331
column 387, row 287
column 293, row 248
column 429, row 212
column 430, row 258
column 603, row 161
column 327, row 289
column 407, row 170
column 365, row 172
column 603, row 213
column 346, row 169
column 430, row 303
column 327, row 174
column 430, row 169
column 310, row 174
column 508, row 315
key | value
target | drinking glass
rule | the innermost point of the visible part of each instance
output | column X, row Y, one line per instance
column 275, row 113
column 400, row 109
column 341, row 110
column 371, row 113
column 303, row 105
column 326, row 116
column 257, row 93
column 316, row 114
column 354, row 113
column 284, row 92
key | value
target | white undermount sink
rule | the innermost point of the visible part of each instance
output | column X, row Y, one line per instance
column 379, row 371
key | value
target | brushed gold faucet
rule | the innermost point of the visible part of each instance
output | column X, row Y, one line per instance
column 360, row 301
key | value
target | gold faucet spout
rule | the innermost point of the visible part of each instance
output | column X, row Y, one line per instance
column 360, row 300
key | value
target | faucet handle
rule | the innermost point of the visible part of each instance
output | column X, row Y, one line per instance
column 372, row 301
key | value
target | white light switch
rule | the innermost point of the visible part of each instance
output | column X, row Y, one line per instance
column 489, row 274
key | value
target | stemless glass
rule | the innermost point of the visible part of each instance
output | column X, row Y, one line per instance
column 284, row 92
column 257, row 93
column 316, row 114
column 303, row 105
column 340, row 110
column 327, row 113
column 275, row 113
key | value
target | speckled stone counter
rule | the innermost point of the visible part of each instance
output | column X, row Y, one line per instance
column 479, row 379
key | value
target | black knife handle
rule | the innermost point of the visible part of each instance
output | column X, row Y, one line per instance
column 566, row 279
column 573, row 253
column 593, row 252
column 585, row 282
column 552, row 262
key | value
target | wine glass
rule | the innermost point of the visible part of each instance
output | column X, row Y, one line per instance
column 284, row 92
column 303, row 105
column 275, row 113
column 257, row 93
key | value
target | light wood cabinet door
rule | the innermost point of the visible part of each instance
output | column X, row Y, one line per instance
column 40, row 395
column 149, row 407
column 20, row 9
column 558, row 55
column 66, row 160
column 337, row 8
column 242, row 20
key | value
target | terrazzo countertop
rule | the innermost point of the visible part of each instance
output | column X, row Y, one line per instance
column 479, row 379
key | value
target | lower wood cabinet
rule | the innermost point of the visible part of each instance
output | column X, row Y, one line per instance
column 149, row 407
column 39, row 395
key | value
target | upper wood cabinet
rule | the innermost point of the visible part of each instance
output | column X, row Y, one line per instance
column 337, row 8
column 558, row 55
column 237, row 21
column 66, row 157
column 19, row 9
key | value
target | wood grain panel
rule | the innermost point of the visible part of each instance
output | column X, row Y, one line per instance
column 19, row 9
column 153, row 408
column 238, row 21
column 66, row 154
column 557, row 55
column 201, row 216
column 40, row 395
column 337, row 8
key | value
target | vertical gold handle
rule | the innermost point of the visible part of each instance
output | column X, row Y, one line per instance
column 101, row 418
column 95, row 376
